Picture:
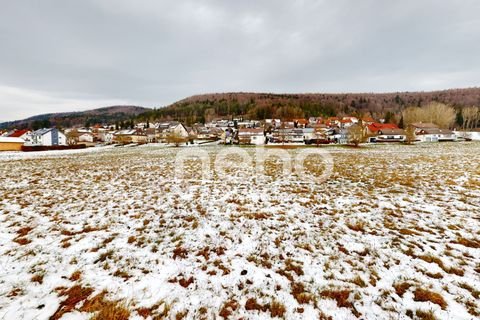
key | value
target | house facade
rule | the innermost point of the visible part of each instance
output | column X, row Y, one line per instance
column 435, row 135
column 254, row 136
column 48, row 137
column 130, row 136
column 391, row 135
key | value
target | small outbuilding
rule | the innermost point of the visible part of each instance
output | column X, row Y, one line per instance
column 11, row 144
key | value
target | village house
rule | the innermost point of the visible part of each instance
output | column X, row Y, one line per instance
column 332, row 122
column 474, row 134
column 435, row 135
column 220, row 123
column 273, row 123
column 172, row 127
column 347, row 122
column 339, row 135
column 76, row 136
column 367, row 120
column 309, row 134
column 19, row 133
column 254, row 136
column 130, row 136
column 47, row 137
column 104, row 135
column 240, row 123
column 11, row 143
column 203, row 133
column 151, row 134
column 288, row 135
column 419, row 126
column 389, row 135
column 430, row 132
column 24, row 134
column 300, row 123
column 314, row 121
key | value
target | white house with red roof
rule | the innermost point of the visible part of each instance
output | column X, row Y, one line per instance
column 24, row 134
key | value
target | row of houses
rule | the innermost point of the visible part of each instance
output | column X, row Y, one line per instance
column 52, row 137
column 321, row 133
column 314, row 130
column 16, row 139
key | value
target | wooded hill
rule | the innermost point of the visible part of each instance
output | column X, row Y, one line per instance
column 206, row 107
column 201, row 108
column 107, row 115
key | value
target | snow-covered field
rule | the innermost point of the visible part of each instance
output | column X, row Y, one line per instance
column 394, row 233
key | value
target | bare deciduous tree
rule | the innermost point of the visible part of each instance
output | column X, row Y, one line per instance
column 175, row 138
column 410, row 134
column 471, row 116
column 356, row 134
column 435, row 112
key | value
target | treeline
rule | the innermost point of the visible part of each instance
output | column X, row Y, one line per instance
column 389, row 106
column 204, row 111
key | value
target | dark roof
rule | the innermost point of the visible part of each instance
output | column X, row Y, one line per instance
column 392, row 131
column 436, row 131
column 424, row 125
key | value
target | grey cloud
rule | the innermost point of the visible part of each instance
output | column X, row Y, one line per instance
column 87, row 53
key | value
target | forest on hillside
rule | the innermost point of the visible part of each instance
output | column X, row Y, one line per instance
column 388, row 106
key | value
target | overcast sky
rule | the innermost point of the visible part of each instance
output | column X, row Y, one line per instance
column 69, row 55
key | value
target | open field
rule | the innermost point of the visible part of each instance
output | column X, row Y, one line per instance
column 394, row 233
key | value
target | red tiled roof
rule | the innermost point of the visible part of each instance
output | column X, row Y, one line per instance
column 301, row 121
column 380, row 126
column 18, row 133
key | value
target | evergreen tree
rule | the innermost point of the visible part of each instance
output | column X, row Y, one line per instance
column 459, row 118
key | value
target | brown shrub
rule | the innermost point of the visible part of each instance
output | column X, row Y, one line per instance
column 408, row 232
column 359, row 282
column 228, row 308
column 122, row 274
column 252, row 304
column 467, row 242
column 357, row 226
column 401, row 288
column 144, row 312
column 112, row 310
column 181, row 315
column 75, row 276
column 300, row 294
column 342, row 299
column 277, row 309
column 22, row 232
column 432, row 259
column 74, row 295
column 185, row 282
column 425, row 315
column 434, row 275
column 205, row 252
column 22, row 241
column 95, row 303
column 294, row 266
column 180, row 252
column 38, row 278
column 426, row 295
column 340, row 296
